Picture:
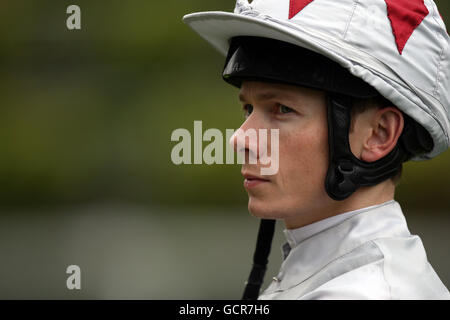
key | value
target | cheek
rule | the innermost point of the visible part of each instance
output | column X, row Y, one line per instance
column 304, row 156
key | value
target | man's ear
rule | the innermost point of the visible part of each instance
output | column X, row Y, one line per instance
column 386, row 126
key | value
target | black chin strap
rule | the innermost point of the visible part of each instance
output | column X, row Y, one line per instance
column 260, row 260
column 346, row 173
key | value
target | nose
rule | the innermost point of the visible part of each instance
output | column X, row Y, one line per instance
column 245, row 140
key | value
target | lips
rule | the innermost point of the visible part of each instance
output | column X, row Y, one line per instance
column 252, row 181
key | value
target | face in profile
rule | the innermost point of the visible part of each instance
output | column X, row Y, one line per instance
column 297, row 188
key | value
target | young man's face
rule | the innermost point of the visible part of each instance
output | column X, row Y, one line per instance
column 300, row 114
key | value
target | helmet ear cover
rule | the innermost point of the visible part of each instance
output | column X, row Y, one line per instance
column 346, row 173
column 261, row 59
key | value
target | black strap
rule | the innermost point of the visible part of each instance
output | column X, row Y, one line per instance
column 260, row 260
column 346, row 173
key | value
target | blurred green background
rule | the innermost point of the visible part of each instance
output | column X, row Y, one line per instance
column 85, row 171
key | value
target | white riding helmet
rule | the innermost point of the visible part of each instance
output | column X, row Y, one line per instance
column 399, row 47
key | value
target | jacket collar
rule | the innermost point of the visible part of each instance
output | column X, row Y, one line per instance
column 296, row 236
column 309, row 255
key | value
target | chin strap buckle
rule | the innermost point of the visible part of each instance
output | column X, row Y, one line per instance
column 347, row 170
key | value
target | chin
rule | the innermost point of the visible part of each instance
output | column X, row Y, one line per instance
column 264, row 209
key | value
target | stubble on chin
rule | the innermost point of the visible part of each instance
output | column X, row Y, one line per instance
column 260, row 209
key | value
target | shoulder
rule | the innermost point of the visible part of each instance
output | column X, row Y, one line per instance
column 407, row 270
column 364, row 283
column 403, row 272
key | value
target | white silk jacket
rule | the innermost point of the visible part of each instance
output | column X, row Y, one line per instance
column 363, row 254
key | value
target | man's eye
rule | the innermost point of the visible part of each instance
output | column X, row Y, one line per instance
column 248, row 109
column 283, row 109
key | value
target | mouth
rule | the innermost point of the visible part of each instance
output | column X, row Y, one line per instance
column 252, row 181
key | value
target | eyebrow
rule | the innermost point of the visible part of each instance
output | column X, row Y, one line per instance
column 261, row 96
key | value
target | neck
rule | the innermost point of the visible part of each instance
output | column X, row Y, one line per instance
column 362, row 198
